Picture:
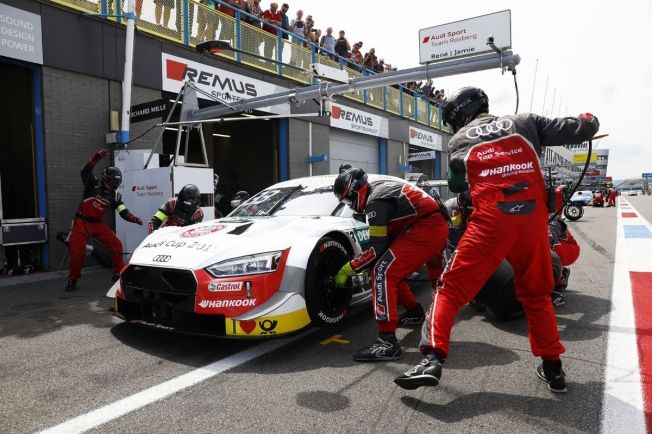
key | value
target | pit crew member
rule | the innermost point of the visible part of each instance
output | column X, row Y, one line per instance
column 564, row 252
column 99, row 196
column 182, row 210
column 406, row 230
column 497, row 159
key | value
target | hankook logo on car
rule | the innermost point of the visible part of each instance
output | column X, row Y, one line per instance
column 227, row 303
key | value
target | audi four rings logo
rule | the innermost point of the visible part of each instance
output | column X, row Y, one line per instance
column 488, row 129
column 162, row 258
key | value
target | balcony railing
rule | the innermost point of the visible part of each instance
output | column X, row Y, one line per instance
column 191, row 22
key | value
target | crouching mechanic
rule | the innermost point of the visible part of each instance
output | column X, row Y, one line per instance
column 406, row 229
column 182, row 210
column 99, row 196
column 497, row 159
column 564, row 252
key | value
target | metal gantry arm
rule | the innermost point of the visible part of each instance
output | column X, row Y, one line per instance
column 325, row 90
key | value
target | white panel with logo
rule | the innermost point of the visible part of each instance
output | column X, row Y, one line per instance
column 425, row 139
column 355, row 149
column 226, row 86
column 144, row 191
column 358, row 121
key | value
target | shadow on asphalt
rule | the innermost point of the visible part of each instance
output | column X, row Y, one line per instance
column 584, row 328
column 548, row 411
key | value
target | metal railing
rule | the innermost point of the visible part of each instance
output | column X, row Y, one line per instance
column 191, row 22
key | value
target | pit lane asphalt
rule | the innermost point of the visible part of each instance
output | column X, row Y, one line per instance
column 62, row 355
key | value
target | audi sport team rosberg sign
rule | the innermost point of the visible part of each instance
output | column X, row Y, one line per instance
column 465, row 37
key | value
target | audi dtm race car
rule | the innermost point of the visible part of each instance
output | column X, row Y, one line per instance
column 264, row 270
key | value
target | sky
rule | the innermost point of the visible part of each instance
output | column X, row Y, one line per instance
column 593, row 55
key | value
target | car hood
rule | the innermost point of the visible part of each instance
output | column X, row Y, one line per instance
column 203, row 244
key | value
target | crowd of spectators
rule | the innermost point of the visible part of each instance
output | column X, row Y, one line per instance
column 302, row 29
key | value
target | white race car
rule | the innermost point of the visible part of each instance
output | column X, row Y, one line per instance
column 264, row 270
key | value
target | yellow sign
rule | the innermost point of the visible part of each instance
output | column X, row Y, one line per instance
column 581, row 158
column 268, row 326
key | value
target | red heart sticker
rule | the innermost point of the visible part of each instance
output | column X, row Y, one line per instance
column 247, row 326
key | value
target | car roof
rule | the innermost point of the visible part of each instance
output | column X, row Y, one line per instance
column 328, row 180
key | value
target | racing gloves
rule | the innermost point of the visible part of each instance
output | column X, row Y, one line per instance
column 343, row 275
column 133, row 219
column 457, row 177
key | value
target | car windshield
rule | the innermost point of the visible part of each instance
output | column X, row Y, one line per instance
column 292, row 201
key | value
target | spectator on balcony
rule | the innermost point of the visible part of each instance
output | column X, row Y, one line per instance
column 356, row 54
column 297, row 27
column 237, row 4
column 165, row 7
column 342, row 46
column 328, row 42
column 253, row 8
column 285, row 21
column 308, row 29
column 271, row 16
column 379, row 67
column 315, row 36
column 206, row 21
column 179, row 16
column 427, row 89
column 370, row 59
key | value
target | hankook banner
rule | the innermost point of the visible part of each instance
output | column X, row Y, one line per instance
column 226, row 86
column 358, row 121
column 425, row 139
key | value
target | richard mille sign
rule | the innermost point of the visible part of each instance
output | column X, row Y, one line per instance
column 20, row 35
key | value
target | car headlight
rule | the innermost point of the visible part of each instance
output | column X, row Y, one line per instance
column 244, row 265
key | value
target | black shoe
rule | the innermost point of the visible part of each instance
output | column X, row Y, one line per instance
column 72, row 285
column 565, row 272
column 414, row 316
column 558, row 299
column 115, row 277
column 386, row 347
column 426, row 373
column 556, row 382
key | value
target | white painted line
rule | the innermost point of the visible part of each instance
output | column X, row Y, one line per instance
column 141, row 399
column 622, row 408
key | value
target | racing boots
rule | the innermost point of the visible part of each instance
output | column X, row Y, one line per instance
column 385, row 347
column 553, row 375
column 414, row 316
column 426, row 373
column 72, row 285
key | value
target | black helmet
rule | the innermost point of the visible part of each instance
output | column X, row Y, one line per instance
column 351, row 188
column 188, row 198
column 238, row 198
column 111, row 178
column 462, row 107
column 344, row 167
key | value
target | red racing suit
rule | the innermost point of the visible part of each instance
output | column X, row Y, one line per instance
column 499, row 158
column 171, row 215
column 88, row 221
column 406, row 230
column 611, row 196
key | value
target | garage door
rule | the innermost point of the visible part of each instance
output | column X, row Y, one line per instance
column 356, row 149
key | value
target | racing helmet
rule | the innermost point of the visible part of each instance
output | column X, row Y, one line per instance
column 111, row 178
column 238, row 198
column 188, row 198
column 344, row 167
column 463, row 106
column 351, row 187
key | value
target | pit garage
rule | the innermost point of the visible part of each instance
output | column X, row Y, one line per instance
column 358, row 150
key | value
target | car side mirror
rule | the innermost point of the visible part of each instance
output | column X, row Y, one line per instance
column 362, row 218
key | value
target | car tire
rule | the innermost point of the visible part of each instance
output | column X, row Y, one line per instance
column 573, row 212
column 499, row 295
column 326, row 304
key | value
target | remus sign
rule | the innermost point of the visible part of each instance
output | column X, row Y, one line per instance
column 358, row 121
column 20, row 35
column 466, row 37
column 425, row 139
column 226, row 86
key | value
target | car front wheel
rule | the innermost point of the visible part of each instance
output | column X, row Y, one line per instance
column 327, row 305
